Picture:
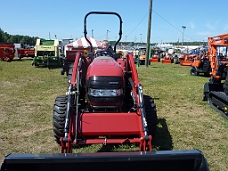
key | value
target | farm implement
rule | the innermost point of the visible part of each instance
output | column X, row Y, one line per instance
column 155, row 54
column 47, row 53
column 7, row 51
column 105, row 105
column 187, row 59
column 25, row 53
column 168, row 59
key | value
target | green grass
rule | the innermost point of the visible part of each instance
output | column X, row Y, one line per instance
column 186, row 122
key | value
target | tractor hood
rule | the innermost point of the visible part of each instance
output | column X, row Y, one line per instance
column 104, row 66
column 105, row 83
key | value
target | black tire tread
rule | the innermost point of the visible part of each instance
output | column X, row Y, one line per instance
column 151, row 114
column 59, row 116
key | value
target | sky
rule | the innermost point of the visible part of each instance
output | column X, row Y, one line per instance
column 65, row 19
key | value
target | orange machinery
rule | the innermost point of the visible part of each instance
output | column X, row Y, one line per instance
column 216, row 89
column 188, row 59
column 168, row 59
column 155, row 57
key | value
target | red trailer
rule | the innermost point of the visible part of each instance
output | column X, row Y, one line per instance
column 7, row 51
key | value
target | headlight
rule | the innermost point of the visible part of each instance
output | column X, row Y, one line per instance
column 105, row 92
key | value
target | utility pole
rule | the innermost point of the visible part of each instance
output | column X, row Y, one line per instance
column 148, row 35
column 92, row 33
column 107, row 34
column 183, row 27
column 141, row 39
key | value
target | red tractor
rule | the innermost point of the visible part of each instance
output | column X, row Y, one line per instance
column 7, row 51
column 105, row 105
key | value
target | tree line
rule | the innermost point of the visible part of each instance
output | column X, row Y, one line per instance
column 28, row 40
column 7, row 38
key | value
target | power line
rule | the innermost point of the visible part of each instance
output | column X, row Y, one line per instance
column 171, row 24
column 138, row 24
column 161, row 18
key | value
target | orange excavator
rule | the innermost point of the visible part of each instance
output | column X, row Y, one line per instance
column 216, row 90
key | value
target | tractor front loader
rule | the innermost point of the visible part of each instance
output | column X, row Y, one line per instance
column 104, row 105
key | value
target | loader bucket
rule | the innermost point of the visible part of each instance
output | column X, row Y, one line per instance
column 155, row 60
column 192, row 160
column 186, row 63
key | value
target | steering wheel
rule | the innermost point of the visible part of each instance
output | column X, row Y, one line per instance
column 101, row 53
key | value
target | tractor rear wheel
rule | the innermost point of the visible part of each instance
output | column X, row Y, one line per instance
column 151, row 115
column 59, row 117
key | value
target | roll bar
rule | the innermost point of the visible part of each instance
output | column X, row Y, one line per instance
column 100, row 12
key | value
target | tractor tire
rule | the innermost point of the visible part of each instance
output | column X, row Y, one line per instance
column 206, row 74
column 151, row 115
column 59, row 117
column 193, row 72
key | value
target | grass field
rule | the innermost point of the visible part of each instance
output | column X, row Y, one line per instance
column 27, row 96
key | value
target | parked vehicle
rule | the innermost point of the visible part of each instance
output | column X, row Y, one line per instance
column 104, row 105
column 201, row 64
column 24, row 52
column 7, row 51
column 47, row 53
column 155, row 54
column 168, row 59
column 216, row 90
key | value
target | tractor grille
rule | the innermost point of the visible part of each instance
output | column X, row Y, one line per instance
column 105, row 82
column 102, row 97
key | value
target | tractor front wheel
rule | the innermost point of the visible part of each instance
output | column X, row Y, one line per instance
column 59, row 117
column 193, row 72
column 151, row 115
